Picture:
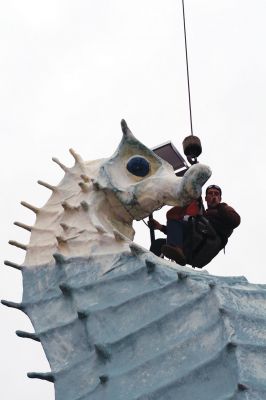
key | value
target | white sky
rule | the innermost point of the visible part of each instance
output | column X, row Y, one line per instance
column 70, row 70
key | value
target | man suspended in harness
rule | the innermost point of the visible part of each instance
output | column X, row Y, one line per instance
column 194, row 235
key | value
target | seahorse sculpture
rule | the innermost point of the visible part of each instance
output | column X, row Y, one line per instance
column 115, row 321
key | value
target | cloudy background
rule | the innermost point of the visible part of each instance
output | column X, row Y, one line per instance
column 70, row 70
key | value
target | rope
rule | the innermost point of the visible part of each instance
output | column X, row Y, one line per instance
column 188, row 84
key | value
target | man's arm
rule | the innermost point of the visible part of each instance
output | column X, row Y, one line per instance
column 156, row 225
column 230, row 216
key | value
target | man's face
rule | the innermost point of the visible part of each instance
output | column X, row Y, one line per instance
column 213, row 198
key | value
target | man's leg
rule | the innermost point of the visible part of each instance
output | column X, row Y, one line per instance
column 156, row 246
column 175, row 235
column 174, row 247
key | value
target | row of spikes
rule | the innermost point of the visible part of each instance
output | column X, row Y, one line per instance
column 48, row 376
column 103, row 379
column 105, row 355
column 85, row 179
column 136, row 250
column 100, row 349
column 78, row 160
column 83, row 185
column 85, row 206
column 66, row 289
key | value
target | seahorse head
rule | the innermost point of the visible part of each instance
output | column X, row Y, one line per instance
column 143, row 182
column 94, row 205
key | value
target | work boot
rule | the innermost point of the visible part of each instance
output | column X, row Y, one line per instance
column 174, row 253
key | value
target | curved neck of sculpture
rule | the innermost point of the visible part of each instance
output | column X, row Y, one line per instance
column 113, row 216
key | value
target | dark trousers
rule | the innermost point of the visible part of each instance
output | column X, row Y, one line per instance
column 156, row 246
column 199, row 248
column 176, row 231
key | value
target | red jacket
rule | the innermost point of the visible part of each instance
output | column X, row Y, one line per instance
column 178, row 213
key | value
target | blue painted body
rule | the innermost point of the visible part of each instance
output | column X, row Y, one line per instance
column 141, row 332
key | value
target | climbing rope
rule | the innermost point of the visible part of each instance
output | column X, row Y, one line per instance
column 188, row 83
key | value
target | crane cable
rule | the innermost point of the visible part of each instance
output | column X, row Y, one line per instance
column 189, row 101
column 188, row 83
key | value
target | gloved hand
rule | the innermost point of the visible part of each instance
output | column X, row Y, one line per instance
column 152, row 223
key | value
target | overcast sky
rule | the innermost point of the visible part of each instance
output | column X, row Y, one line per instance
column 70, row 70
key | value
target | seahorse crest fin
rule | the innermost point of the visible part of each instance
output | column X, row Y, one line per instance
column 30, row 207
column 17, row 244
column 24, row 226
column 47, row 376
column 47, row 185
column 12, row 304
column 62, row 166
column 125, row 129
column 76, row 156
column 28, row 335
column 13, row 265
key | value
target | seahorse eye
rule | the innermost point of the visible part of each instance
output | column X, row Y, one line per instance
column 138, row 166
